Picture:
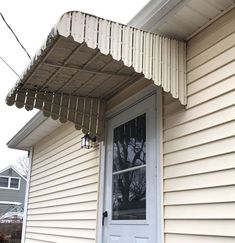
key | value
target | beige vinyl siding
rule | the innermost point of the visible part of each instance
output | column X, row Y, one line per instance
column 199, row 142
column 62, row 204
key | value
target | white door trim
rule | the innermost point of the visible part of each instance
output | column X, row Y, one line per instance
column 145, row 93
column 100, row 206
column 159, row 157
column 134, row 99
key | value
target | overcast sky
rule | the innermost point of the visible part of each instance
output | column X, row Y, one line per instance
column 32, row 21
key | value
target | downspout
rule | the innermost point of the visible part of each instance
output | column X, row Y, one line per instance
column 27, row 196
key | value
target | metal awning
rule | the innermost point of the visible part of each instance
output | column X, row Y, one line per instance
column 86, row 60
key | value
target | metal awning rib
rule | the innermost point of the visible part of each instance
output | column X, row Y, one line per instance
column 86, row 60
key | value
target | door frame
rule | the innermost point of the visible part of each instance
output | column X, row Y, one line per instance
column 137, row 98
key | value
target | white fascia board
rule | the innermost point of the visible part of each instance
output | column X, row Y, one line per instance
column 37, row 120
column 36, row 129
column 153, row 13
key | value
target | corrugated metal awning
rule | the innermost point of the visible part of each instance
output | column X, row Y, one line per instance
column 86, row 60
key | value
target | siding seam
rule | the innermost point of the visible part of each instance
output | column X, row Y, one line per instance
column 52, row 206
column 198, row 131
column 55, row 160
column 196, row 118
column 90, row 167
column 206, row 74
column 198, row 145
column 204, row 63
column 200, row 173
column 199, row 188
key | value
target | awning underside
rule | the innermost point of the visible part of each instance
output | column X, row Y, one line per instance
column 87, row 60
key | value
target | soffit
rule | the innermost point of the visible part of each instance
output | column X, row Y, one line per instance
column 182, row 19
column 38, row 134
column 36, row 129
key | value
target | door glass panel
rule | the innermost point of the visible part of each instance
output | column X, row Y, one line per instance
column 129, row 144
column 129, row 170
column 129, row 195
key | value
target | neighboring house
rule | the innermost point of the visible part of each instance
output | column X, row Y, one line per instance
column 163, row 112
column 12, row 189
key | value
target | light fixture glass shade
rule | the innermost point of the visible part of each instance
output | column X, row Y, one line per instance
column 87, row 142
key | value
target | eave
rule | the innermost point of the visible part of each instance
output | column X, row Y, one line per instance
column 33, row 131
column 181, row 19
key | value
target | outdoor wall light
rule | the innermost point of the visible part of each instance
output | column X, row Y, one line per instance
column 88, row 142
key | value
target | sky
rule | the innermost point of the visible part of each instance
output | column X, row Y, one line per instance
column 32, row 22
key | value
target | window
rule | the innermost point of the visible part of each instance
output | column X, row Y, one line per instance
column 9, row 182
column 14, row 183
column 129, row 170
column 4, row 181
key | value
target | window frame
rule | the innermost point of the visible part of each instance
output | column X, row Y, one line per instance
column 9, row 183
column 129, row 169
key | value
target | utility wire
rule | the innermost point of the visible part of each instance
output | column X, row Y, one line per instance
column 14, row 35
column 10, row 67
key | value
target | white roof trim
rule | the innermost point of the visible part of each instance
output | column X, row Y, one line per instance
column 11, row 203
column 157, row 13
column 37, row 120
column 33, row 131
column 148, row 17
column 13, row 168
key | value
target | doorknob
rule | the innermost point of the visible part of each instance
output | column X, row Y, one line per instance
column 105, row 215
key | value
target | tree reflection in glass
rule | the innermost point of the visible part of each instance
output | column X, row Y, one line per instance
column 129, row 172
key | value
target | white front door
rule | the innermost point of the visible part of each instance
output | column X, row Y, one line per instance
column 130, row 201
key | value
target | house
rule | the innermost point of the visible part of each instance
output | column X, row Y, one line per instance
column 12, row 189
column 161, row 105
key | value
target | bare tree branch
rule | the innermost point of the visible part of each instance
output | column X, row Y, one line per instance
column 22, row 164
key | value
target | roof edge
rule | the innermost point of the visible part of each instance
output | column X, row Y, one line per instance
column 13, row 168
column 30, row 126
column 152, row 10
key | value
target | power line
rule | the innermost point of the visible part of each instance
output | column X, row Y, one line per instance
column 10, row 67
column 14, row 35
